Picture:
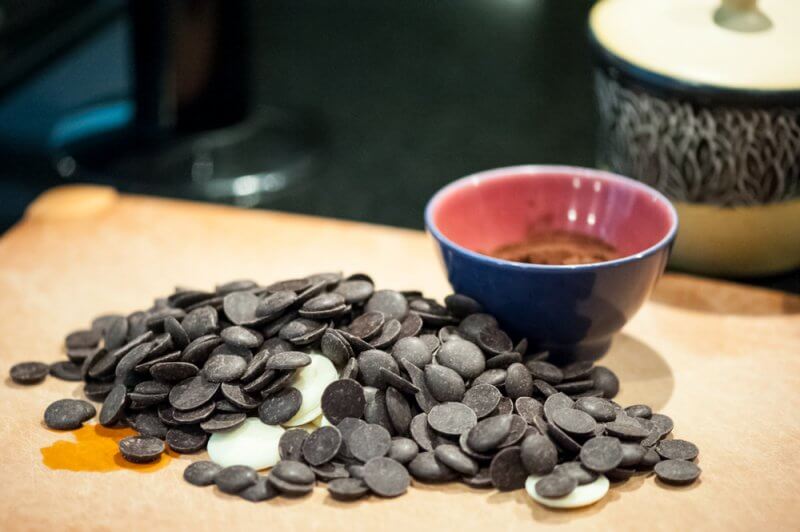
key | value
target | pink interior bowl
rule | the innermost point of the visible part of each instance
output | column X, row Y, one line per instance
column 571, row 310
column 487, row 210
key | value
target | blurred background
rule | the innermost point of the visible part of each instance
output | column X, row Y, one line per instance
column 356, row 109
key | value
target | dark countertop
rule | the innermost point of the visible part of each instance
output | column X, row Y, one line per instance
column 414, row 94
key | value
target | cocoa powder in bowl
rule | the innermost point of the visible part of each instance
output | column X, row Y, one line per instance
column 557, row 247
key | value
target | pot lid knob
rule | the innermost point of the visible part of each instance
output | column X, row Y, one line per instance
column 741, row 15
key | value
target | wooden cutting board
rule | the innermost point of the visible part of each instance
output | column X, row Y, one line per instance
column 722, row 360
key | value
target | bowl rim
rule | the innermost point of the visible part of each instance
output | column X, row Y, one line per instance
column 565, row 171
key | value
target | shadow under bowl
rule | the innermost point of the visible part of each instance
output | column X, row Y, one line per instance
column 570, row 310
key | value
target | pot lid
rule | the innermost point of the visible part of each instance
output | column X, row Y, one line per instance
column 738, row 44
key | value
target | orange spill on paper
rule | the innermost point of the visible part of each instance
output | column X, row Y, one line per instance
column 95, row 449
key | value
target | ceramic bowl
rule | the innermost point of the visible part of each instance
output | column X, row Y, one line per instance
column 573, row 310
column 718, row 132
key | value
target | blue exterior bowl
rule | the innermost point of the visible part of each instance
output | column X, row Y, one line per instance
column 571, row 311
